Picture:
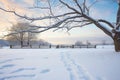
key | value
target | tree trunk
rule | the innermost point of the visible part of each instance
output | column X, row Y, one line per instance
column 21, row 42
column 28, row 41
column 117, row 34
column 117, row 42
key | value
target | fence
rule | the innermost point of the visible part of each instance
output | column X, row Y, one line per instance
column 51, row 46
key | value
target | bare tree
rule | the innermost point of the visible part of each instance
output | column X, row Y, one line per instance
column 103, row 42
column 20, row 36
column 78, row 43
column 88, row 42
column 76, row 15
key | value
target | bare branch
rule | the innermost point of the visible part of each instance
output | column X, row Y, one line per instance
column 70, row 7
column 38, row 7
column 56, row 25
column 38, row 18
column 78, row 21
column 76, row 1
column 85, row 8
column 104, row 29
column 95, row 22
column 80, row 25
column 104, row 21
column 70, row 22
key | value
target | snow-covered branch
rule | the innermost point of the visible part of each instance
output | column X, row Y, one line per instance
column 79, row 26
column 106, row 22
column 38, row 18
column 42, row 28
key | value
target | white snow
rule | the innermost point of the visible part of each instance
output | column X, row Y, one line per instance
column 59, row 64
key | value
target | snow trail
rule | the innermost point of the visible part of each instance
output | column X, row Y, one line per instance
column 75, row 71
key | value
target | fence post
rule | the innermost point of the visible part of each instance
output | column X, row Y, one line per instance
column 95, row 46
column 50, row 46
column 10, row 46
column 57, row 46
column 72, row 46
column 30, row 46
column 87, row 46
column 80, row 46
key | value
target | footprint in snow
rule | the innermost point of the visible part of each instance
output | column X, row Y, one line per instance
column 23, row 69
column 9, row 60
column 45, row 57
column 18, row 76
column 45, row 71
column 7, row 66
column 1, row 73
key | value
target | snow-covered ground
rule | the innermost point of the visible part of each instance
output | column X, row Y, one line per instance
column 59, row 64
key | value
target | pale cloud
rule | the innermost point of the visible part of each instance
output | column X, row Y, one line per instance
column 7, row 19
column 19, row 7
column 5, row 3
column 29, row 2
column 9, row 4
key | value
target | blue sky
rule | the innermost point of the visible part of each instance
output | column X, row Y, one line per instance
column 104, row 9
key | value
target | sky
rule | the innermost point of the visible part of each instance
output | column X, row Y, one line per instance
column 104, row 9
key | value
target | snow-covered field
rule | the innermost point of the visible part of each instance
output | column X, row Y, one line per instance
column 59, row 64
